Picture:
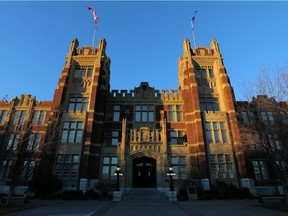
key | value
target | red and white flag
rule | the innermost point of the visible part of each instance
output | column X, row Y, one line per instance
column 94, row 15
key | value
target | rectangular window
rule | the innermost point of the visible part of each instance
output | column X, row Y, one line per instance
column 144, row 113
column 113, row 113
column 177, row 137
column 179, row 167
column 274, row 141
column 72, row 132
column 28, row 169
column 3, row 114
column 67, row 166
column 39, row 117
column 209, row 104
column 19, row 117
column 109, row 165
column 201, row 73
column 267, row 118
column 13, row 141
column 175, row 113
column 260, row 170
column 83, row 72
column 5, row 169
column 221, row 166
column 248, row 118
column 216, row 132
column 34, row 141
column 111, row 137
column 78, row 104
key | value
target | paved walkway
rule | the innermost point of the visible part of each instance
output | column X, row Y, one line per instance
column 149, row 207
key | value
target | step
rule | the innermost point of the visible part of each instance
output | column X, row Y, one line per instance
column 148, row 194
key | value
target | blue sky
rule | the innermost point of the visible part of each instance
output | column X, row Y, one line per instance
column 144, row 40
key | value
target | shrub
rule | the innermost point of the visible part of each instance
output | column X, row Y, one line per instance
column 44, row 184
column 72, row 195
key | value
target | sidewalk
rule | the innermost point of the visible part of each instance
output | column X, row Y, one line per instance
column 147, row 208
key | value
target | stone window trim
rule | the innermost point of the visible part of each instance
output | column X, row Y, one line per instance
column 83, row 71
column 78, row 104
column 113, row 113
column 109, row 165
column 216, row 132
column 175, row 113
column 39, row 117
column 72, row 132
column 209, row 104
column 179, row 164
column 3, row 115
column 19, row 117
column 260, row 170
column 176, row 136
column 67, row 166
column 144, row 113
column 111, row 137
column 221, row 166
column 204, row 72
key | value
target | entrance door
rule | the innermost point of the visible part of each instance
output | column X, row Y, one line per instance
column 144, row 172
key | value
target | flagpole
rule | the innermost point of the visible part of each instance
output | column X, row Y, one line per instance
column 192, row 25
column 194, row 40
column 94, row 35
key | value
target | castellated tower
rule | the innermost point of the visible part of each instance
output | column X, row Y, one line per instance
column 213, row 138
column 79, row 94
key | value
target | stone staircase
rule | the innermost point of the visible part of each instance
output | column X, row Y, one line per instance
column 144, row 195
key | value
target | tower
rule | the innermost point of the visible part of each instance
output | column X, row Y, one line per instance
column 79, row 95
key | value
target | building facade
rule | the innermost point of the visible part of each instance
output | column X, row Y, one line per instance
column 93, row 129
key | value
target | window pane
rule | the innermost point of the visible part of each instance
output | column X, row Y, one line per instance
column 78, row 136
column 151, row 117
column 144, row 116
column 106, row 160
column 138, row 119
column 114, row 160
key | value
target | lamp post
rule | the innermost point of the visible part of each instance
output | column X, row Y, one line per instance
column 171, row 173
column 118, row 173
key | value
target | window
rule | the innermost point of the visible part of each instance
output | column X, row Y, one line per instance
column 67, row 166
column 179, row 166
column 72, row 132
column 177, row 137
column 204, row 73
column 109, row 165
column 248, row 118
column 19, row 117
column 83, row 72
column 216, row 132
column 78, row 104
column 175, row 113
column 274, row 141
column 28, row 169
column 3, row 114
column 33, row 142
column 144, row 113
column 39, row 117
column 201, row 73
column 221, row 166
column 209, row 104
column 13, row 141
column 113, row 113
column 111, row 137
column 267, row 118
column 260, row 170
column 5, row 169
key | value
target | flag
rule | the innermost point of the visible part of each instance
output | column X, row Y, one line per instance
column 193, row 19
column 94, row 15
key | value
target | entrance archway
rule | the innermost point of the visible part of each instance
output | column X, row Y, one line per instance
column 144, row 172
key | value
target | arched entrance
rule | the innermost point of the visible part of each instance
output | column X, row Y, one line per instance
column 144, row 172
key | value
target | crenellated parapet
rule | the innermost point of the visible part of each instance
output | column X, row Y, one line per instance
column 171, row 95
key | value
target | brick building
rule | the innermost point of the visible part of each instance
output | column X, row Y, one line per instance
column 143, row 130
